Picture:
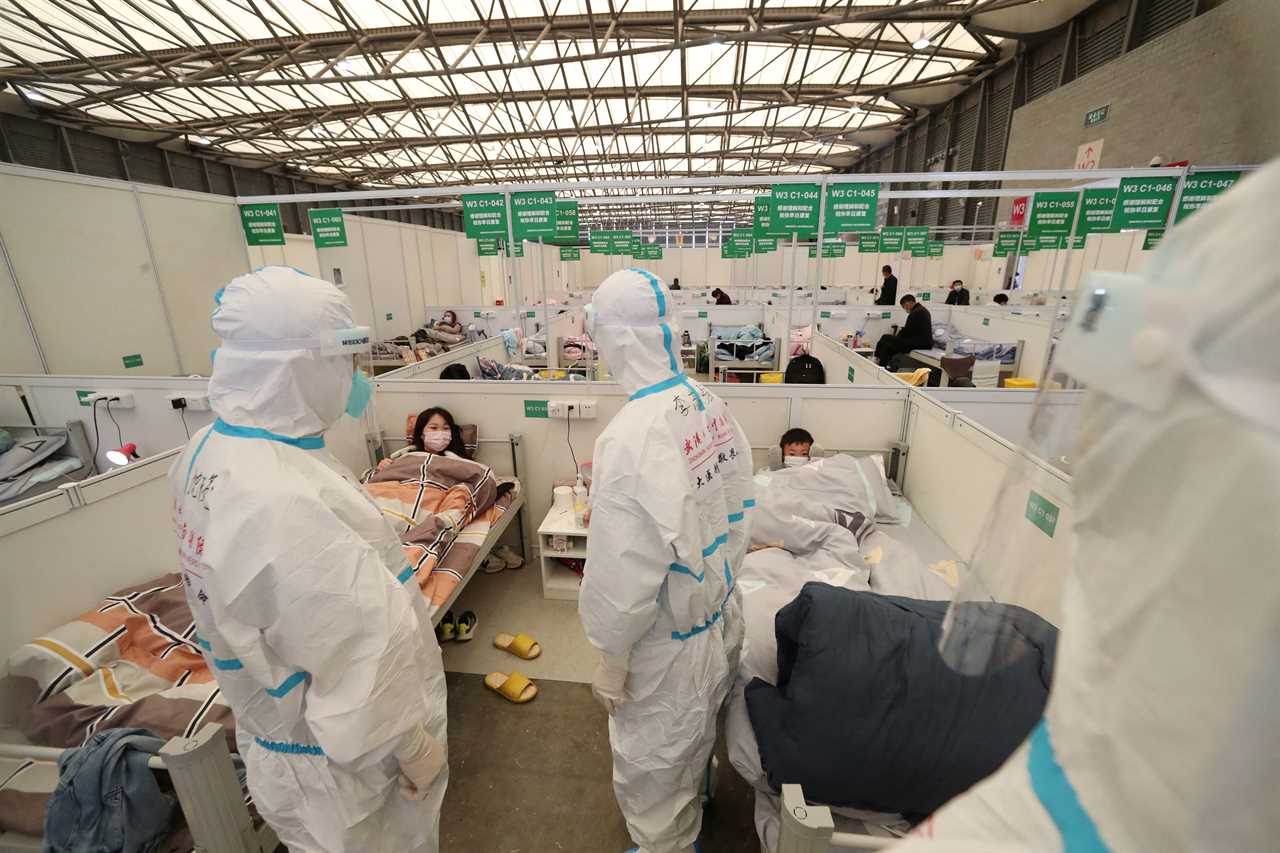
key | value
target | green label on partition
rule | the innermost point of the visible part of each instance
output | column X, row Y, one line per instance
column 1152, row 239
column 891, row 239
column 134, row 360
column 390, row 316
column 1200, row 189
column 531, row 313
column 885, row 315
column 917, row 240
column 765, row 244
column 702, row 315
column 850, row 374
column 1095, row 214
column 851, row 207
column 1053, row 213
column 570, row 253
column 535, row 215
column 262, row 225
column 484, row 214
column 566, row 222
column 825, row 315
column 1043, row 513
column 926, row 296
column 795, row 210
column 83, row 397
column 1143, row 203
column 486, row 246
column 986, row 321
column 1006, row 244
column 475, row 314
column 535, row 408
column 935, row 248
column 868, row 243
column 328, row 229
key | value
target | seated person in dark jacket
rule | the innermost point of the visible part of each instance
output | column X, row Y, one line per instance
column 889, row 290
column 959, row 294
column 917, row 333
column 721, row 297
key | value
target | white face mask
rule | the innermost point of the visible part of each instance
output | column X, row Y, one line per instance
column 793, row 461
column 436, row 440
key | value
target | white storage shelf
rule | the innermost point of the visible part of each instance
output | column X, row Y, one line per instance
column 558, row 581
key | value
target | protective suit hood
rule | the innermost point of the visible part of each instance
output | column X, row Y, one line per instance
column 283, row 365
column 633, row 328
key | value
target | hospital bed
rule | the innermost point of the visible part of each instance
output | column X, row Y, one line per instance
column 71, row 462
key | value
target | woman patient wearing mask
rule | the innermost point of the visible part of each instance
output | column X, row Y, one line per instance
column 433, row 432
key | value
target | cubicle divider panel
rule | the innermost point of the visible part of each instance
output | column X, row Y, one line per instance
column 1034, row 332
column 843, row 366
column 1008, row 412
column 466, row 355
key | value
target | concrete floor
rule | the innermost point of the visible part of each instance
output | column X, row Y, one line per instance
column 536, row 778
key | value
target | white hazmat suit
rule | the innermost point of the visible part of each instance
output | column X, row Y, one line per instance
column 670, row 497
column 298, row 585
column 1160, row 732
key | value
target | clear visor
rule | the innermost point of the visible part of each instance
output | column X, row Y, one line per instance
column 356, row 341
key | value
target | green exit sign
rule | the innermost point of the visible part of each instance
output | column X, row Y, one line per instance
column 1095, row 117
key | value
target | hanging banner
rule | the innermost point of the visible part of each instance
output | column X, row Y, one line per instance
column 1053, row 213
column 262, row 224
column 795, row 210
column 917, row 240
column 519, row 253
column 598, row 242
column 570, row 253
column 850, row 207
column 1201, row 188
column 935, row 248
column 1051, row 241
column 1006, row 244
column 891, row 239
column 762, row 217
column 621, row 243
column 1095, row 213
column 486, row 247
column 484, row 215
column 535, row 215
column 868, row 243
column 566, row 222
column 834, row 249
column 763, row 245
column 1152, row 239
column 1143, row 203
column 328, row 229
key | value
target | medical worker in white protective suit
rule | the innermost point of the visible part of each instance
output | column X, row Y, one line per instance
column 670, row 498
column 313, row 627
column 1161, row 729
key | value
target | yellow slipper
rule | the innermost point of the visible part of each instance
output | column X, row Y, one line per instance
column 514, row 687
column 521, row 645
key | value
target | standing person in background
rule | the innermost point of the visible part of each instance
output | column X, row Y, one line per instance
column 959, row 294
column 721, row 297
column 888, row 290
column 917, row 333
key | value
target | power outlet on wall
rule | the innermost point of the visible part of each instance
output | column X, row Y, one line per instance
column 571, row 409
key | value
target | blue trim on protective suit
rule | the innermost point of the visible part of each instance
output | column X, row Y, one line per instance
column 1058, row 796
column 662, row 312
column 228, row 663
column 288, row 684
column 735, row 517
column 698, row 629
column 697, row 398
column 289, row 748
column 203, row 643
column 748, row 503
column 685, row 570
column 307, row 442
column 669, row 382
column 406, row 574
column 666, row 345
column 722, row 539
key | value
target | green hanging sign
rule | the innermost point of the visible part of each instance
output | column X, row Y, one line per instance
column 535, row 215
column 262, row 224
column 795, row 210
column 764, row 245
column 868, row 243
column 850, row 207
column 1152, row 239
column 570, row 253
column 566, row 222
column 598, row 242
column 917, row 240
column 328, row 229
column 935, row 248
column 519, row 253
column 891, row 239
column 486, row 247
column 1006, row 244
column 1052, row 213
column 1201, row 188
column 1095, row 212
column 762, row 217
column 621, row 243
column 484, row 215
column 1043, row 242
column 1143, row 203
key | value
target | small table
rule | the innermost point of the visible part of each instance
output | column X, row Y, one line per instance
column 931, row 358
column 558, row 581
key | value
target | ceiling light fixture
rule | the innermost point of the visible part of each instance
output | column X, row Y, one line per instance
column 921, row 43
column 199, row 140
column 33, row 95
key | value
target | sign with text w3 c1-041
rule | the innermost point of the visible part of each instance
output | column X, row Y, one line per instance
column 262, row 224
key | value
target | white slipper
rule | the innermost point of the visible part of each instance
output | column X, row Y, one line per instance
column 509, row 557
column 492, row 565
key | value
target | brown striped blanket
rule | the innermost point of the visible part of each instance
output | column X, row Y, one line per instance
column 442, row 507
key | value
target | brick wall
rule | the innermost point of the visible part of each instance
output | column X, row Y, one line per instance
column 1207, row 91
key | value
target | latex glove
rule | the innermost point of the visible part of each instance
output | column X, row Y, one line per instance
column 609, row 684
column 422, row 759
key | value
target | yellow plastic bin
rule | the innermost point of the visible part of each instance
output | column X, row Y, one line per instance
column 1019, row 382
column 771, row 378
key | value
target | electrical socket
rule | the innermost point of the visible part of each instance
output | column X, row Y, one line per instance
column 118, row 399
column 575, row 409
column 197, row 402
